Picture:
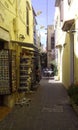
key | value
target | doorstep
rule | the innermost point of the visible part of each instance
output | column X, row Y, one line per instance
column 4, row 111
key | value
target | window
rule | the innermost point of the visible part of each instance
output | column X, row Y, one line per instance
column 27, row 21
column 27, row 18
column 52, row 42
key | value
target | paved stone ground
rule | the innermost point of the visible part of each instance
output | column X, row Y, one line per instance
column 49, row 109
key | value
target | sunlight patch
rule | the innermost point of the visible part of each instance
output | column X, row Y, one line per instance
column 53, row 81
column 55, row 108
column 50, row 81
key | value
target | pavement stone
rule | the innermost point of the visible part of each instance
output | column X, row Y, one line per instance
column 49, row 109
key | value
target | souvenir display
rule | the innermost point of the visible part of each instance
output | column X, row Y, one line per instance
column 25, row 72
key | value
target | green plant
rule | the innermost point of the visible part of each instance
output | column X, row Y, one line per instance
column 73, row 93
column 75, row 99
column 55, row 70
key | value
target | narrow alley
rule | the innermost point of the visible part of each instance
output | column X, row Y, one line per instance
column 49, row 109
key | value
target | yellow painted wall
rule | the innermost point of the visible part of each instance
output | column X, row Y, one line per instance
column 76, row 70
column 7, row 14
column 21, row 21
column 76, row 55
column 13, row 19
column 66, row 62
column 70, row 12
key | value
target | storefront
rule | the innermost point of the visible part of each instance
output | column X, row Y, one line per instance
column 17, row 70
column 7, row 67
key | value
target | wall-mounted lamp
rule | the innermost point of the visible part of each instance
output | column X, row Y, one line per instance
column 72, row 31
column 21, row 37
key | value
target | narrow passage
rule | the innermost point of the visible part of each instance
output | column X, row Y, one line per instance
column 49, row 109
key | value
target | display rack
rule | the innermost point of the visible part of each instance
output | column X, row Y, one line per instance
column 25, row 73
column 33, row 77
column 13, row 66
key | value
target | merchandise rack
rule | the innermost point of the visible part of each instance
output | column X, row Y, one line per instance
column 25, row 73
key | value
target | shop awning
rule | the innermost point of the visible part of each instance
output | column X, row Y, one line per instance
column 30, row 49
column 68, row 24
column 29, row 46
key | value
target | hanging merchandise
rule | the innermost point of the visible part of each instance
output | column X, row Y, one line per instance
column 33, row 74
column 13, row 70
column 25, row 72
column 7, row 72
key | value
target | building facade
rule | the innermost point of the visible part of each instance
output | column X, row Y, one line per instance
column 50, row 45
column 66, row 25
column 17, row 50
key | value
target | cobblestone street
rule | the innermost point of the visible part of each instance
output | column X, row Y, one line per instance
column 49, row 109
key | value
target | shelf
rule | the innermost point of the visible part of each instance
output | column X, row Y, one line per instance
column 25, row 72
